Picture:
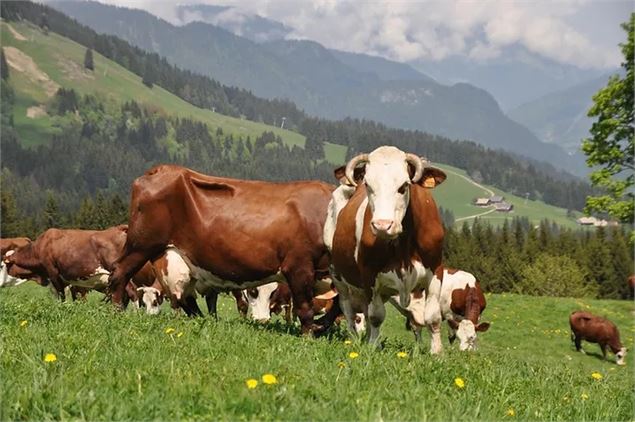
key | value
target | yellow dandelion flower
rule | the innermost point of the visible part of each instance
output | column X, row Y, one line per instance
column 402, row 355
column 511, row 412
column 251, row 383
column 584, row 396
column 459, row 382
column 50, row 357
column 341, row 365
column 180, row 334
column 169, row 330
column 596, row 376
column 611, row 369
column 269, row 379
column 348, row 342
column 353, row 355
column 23, row 323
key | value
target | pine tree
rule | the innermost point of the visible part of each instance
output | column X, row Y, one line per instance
column 4, row 66
column 88, row 59
column 9, row 215
column 149, row 76
column 52, row 215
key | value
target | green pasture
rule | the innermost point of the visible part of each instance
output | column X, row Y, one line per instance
column 131, row 366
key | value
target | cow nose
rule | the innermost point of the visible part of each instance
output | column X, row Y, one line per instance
column 382, row 225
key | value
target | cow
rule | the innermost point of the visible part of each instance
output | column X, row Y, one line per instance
column 594, row 329
column 8, row 246
column 388, row 241
column 462, row 302
column 233, row 234
column 79, row 258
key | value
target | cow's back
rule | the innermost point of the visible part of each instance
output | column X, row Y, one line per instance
column 593, row 328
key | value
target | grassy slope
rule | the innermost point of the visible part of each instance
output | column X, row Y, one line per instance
column 124, row 366
column 53, row 53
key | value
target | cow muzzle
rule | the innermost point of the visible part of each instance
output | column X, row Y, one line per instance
column 384, row 229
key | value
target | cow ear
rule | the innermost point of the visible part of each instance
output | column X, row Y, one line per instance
column 452, row 323
column 482, row 327
column 358, row 175
column 432, row 177
column 139, row 289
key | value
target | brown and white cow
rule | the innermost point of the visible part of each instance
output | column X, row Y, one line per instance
column 595, row 329
column 8, row 247
column 388, row 241
column 81, row 258
column 233, row 234
column 462, row 302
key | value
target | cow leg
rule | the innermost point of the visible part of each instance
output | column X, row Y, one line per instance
column 211, row 300
column 287, row 314
column 126, row 267
column 578, row 342
column 376, row 316
column 241, row 303
column 603, row 348
column 432, row 316
column 190, row 306
column 300, row 278
column 342, row 305
column 451, row 333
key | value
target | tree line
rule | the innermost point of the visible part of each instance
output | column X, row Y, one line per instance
column 503, row 170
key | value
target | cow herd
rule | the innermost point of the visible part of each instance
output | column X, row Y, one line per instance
column 300, row 248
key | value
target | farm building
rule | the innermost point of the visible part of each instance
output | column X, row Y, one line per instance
column 593, row 221
column 504, row 207
column 496, row 199
column 481, row 202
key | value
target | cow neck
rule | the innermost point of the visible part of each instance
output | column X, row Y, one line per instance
column 29, row 258
column 472, row 305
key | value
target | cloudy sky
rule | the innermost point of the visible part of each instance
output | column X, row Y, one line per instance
column 584, row 33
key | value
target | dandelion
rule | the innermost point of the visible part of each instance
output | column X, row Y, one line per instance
column 341, row 365
column 50, row 357
column 348, row 342
column 180, row 334
column 596, row 376
column 402, row 355
column 251, row 383
column 269, row 379
column 23, row 323
column 511, row 412
column 353, row 355
column 459, row 382
column 584, row 396
column 169, row 330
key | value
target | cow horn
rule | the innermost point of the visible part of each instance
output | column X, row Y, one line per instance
column 350, row 167
column 418, row 164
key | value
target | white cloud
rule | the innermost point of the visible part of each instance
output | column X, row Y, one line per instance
column 434, row 30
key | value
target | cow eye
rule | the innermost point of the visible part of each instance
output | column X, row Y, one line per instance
column 402, row 189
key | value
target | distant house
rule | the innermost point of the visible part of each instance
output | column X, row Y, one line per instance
column 504, row 207
column 496, row 199
column 482, row 202
column 587, row 221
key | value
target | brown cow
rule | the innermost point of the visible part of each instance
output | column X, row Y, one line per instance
column 388, row 241
column 233, row 234
column 81, row 258
column 595, row 329
column 9, row 245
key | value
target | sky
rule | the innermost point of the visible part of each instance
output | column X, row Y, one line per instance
column 583, row 33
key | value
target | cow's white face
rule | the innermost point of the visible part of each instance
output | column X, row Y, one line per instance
column 151, row 298
column 620, row 355
column 388, row 188
column 259, row 300
column 360, row 323
column 7, row 280
column 466, row 333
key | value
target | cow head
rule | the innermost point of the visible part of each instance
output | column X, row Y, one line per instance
column 259, row 300
column 620, row 355
column 388, row 174
column 17, row 276
column 466, row 332
column 360, row 323
column 150, row 298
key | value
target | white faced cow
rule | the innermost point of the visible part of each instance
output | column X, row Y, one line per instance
column 388, row 240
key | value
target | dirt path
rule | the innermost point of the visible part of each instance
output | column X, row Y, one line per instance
column 15, row 33
column 23, row 63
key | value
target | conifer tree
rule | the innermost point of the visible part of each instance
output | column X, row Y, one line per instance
column 88, row 59
column 4, row 66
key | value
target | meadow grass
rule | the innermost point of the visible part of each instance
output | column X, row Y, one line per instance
column 124, row 366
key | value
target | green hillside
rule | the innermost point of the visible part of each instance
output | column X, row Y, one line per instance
column 49, row 61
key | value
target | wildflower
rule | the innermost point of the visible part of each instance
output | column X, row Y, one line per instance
column 402, row 355
column 459, row 382
column 180, row 334
column 50, row 357
column 169, row 330
column 23, row 323
column 584, row 396
column 348, row 342
column 353, row 355
column 251, row 383
column 596, row 376
column 511, row 412
column 341, row 365
column 269, row 379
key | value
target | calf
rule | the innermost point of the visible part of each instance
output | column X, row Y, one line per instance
column 462, row 302
column 595, row 329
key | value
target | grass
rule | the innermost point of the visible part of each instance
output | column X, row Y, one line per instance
column 123, row 366
column 62, row 60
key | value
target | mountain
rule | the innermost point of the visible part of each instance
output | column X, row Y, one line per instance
column 253, row 27
column 322, row 82
column 386, row 70
column 515, row 77
column 560, row 117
